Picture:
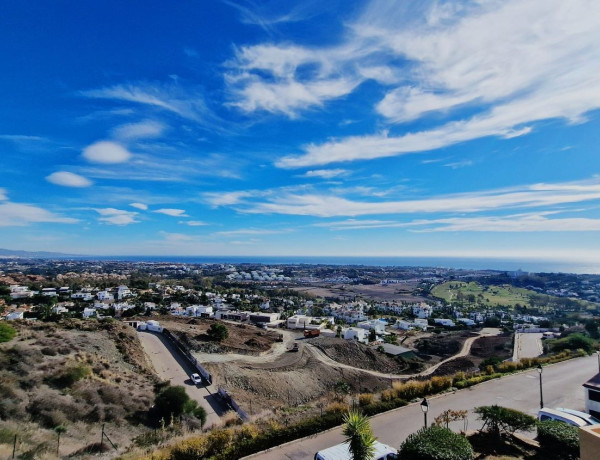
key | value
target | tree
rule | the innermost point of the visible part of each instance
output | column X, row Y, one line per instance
column 372, row 335
column 435, row 443
column 360, row 438
column 172, row 401
column 218, row 332
column 59, row 430
column 498, row 420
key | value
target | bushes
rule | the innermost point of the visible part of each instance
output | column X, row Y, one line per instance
column 365, row 399
column 558, row 440
column 498, row 420
column 435, row 443
column 218, row 332
column 7, row 332
column 71, row 375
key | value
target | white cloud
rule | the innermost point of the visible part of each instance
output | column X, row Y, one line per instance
column 459, row 164
column 175, row 237
column 324, row 205
column 193, row 223
column 68, row 179
column 172, row 212
column 18, row 214
column 117, row 216
column 3, row 195
column 106, row 152
column 326, row 173
column 142, row 130
column 142, row 206
column 185, row 103
column 251, row 231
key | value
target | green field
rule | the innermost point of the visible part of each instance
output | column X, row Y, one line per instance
column 474, row 293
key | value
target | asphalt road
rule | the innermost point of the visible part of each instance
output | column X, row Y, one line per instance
column 527, row 345
column 170, row 366
column 562, row 387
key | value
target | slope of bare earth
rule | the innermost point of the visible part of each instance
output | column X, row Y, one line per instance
column 243, row 338
column 362, row 356
column 78, row 374
column 293, row 378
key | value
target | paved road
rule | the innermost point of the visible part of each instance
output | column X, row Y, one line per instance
column 170, row 366
column 527, row 345
column 561, row 385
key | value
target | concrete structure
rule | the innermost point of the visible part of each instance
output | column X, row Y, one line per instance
column 105, row 296
column 14, row 315
column 466, row 321
column 123, row 292
column 361, row 335
column 298, row 321
column 589, row 442
column 89, row 312
column 200, row 310
column 86, row 296
column 592, row 396
column 232, row 315
column 264, row 317
column 444, row 322
column 422, row 310
column 421, row 323
column 20, row 292
column 378, row 326
column 403, row 325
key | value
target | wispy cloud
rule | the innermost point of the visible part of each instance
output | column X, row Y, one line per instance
column 187, row 103
column 323, row 205
column 68, row 179
column 141, row 130
column 193, row 223
column 251, row 231
column 142, row 206
column 3, row 194
column 19, row 214
column 326, row 173
column 459, row 164
column 171, row 212
column 117, row 216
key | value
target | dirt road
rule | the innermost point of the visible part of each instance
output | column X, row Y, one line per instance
column 528, row 345
column 170, row 366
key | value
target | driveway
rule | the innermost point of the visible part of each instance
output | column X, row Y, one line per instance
column 527, row 345
column 562, row 387
column 169, row 365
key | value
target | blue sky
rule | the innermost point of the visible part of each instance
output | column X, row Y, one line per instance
column 433, row 128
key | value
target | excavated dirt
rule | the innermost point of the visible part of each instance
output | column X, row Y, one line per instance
column 243, row 338
column 443, row 345
column 294, row 379
column 359, row 355
column 496, row 346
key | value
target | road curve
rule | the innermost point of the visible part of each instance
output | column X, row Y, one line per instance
column 561, row 386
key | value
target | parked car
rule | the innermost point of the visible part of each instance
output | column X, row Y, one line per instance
column 558, row 416
column 196, row 379
column 341, row 452
column 590, row 419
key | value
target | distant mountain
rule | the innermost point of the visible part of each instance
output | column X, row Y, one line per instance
column 9, row 253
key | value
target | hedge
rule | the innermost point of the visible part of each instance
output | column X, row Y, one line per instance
column 558, row 440
column 435, row 443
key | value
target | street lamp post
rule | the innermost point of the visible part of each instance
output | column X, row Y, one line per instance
column 425, row 408
column 598, row 354
column 539, row 368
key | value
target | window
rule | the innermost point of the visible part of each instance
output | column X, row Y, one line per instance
column 543, row 418
column 594, row 395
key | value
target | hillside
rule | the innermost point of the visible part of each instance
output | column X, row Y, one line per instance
column 75, row 374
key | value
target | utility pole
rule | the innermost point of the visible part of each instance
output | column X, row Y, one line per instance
column 14, row 446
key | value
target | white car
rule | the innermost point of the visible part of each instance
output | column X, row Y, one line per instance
column 196, row 379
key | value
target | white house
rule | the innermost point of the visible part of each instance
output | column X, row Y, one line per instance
column 298, row 321
column 14, row 315
column 466, row 321
column 403, row 325
column 89, row 312
column 49, row 292
column 422, row 310
column 199, row 310
column 361, row 335
column 59, row 309
column 378, row 326
column 20, row 292
column 265, row 305
column 86, row 296
column 592, row 396
column 444, row 322
column 105, row 296
column 123, row 292
column 421, row 323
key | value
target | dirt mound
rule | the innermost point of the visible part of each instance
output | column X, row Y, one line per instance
column 455, row 365
column 243, row 338
column 496, row 346
column 302, row 379
column 359, row 355
column 443, row 345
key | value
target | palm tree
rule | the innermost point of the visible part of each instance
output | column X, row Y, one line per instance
column 360, row 438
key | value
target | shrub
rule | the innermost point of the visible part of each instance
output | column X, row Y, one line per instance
column 558, row 440
column 172, row 400
column 435, row 443
column 7, row 332
column 365, row 399
column 71, row 375
column 336, row 408
column 218, row 332
column 498, row 420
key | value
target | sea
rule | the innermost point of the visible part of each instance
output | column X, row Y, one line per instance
column 467, row 263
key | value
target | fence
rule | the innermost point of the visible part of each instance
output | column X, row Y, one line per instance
column 187, row 355
column 230, row 401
